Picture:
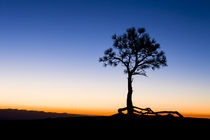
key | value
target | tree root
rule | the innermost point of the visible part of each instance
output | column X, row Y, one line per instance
column 149, row 111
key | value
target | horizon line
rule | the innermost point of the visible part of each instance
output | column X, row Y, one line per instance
column 91, row 112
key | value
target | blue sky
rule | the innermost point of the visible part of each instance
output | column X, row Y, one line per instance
column 60, row 40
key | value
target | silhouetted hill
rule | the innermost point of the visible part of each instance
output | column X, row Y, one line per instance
column 61, row 123
column 15, row 114
column 140, row 121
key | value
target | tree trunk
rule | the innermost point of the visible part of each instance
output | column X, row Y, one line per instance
column 129, row 96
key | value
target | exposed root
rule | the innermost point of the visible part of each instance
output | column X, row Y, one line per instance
column 149, row 111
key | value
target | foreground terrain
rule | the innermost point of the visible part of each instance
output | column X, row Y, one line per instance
column 67, row 125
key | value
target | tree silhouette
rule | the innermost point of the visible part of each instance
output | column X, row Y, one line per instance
column 137, row 52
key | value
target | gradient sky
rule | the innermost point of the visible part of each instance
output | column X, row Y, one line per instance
column 49, row 52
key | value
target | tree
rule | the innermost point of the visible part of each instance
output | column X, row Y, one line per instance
column 137, row 52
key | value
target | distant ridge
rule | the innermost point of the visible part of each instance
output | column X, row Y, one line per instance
column 16, row 114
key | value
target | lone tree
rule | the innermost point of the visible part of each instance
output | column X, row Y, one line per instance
column 137, row 52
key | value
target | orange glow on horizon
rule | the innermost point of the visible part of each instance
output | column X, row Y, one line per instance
column 102, row 112
column 91, row 111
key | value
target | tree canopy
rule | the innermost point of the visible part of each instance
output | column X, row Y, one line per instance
column 136, row 51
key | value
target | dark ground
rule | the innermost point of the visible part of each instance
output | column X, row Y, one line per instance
column 99, row 121
column 139, row 122
column 107, row 128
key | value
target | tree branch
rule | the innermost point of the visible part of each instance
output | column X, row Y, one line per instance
column 138, row 62
column 117, row 58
